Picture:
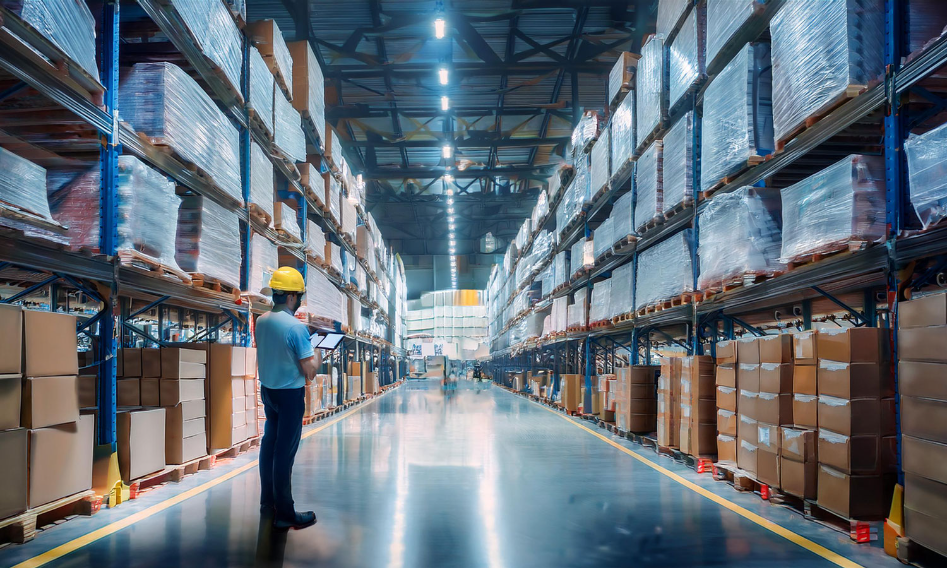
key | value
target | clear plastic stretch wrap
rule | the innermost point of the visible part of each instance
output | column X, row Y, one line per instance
column 217, row 35
column 604, row 238
column 738, row 117
column 323, row 299
column 208, row 240
column 649, row 88
column 68, row 24
column 288, row 222
column 548, row 280
column 288, row 136
column 623, row 286
column 23, row 184
column 686, row 56
column 582, row 255
column 541, row 208
column 601, row 304
column 166, row 104
column 811, row 71
column 582, row 183
column 622, row 75
column 561, row 269
column 315, row 240
column 842, row 203
column 739, row 235
column 926, row 21
column 623, row 135
column 669, row 14
column 336, row 260
column 522, row 271
column 261, row 179
column 349, row 217
column 348, row 264
column 238, row 7
column 522, row 236
column 579, row 309
column 586, row 131
column 649, row 186
column 360, row 279
column 146, row 200
column 622, row 217
column 724, row 19
column 678, row 179
column 261, row 89
column 542, row 247
column 309, row 96
column 560, row 314
column 333, row 197
column 599, row 173
column 664, row 270
column 927, row 174
column 264, row 260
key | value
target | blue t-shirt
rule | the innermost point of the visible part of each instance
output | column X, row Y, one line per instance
column 281, row 342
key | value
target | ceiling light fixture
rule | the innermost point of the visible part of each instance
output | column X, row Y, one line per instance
column 439, row 28
column 449, row 179
column 450, row 209
column 447, row 150
column 442, row 75
column 450, row 200
column 445, row 103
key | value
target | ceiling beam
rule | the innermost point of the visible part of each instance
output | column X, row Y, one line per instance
column 461, row 143
column 428, row 172
column 463, row 69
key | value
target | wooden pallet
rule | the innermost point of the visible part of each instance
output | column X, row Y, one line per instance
column 621, row 318
column 622, row 172
column 751, row 162
column 603, row 324
column 579, row 219
column 597, row 195
column 288, row 237
column 257, row 123
column 674, row 302
column 23, row 527
column 288, row 163
column 651, row 137
column 859, row 530
column 199, row 280
column 625, row 244
column 740, row 479
column 650, row 224
column 162, row 145
column 140, row 260
column 745, row 279
column 259, row 215
column 850, row 92
column 604, row 257
column 678, row 209
column 824, row 252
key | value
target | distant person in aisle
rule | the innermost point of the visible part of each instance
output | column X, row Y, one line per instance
column 286, row 364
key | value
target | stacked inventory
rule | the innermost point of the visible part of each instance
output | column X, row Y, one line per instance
column 635, row 398
column 748, row 384
column 621, row 78
column 622, row 136
column 208, row 241
column 578, row 312
column 601, row 303
column 686, row 56
column 669, row 403
column 698, row 416
column 648, row 184
column 773, row 404
column 927, row 175
column 183, row 386
column 650, row 90
column 727, row 400
column 231, row 368
column 678, row 164
column 261, row 183
column 600, row 165
column 308, row 88
column 663, row 272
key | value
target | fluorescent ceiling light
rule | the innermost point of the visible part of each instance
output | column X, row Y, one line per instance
column 447, row 151
column 445, row 103
column 442, row 75
column 439, row 27
column 449, row 190
column 450, row 200
column 450, row 209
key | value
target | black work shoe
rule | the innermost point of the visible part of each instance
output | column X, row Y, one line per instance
column 297, row 521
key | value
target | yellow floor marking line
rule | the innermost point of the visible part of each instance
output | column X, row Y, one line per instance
column 87, row 539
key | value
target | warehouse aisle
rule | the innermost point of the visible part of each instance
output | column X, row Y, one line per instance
column 483, row 478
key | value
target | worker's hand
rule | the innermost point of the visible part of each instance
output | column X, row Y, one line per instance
column 309, row 368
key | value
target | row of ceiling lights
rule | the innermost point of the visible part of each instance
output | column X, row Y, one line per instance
column 440, row 28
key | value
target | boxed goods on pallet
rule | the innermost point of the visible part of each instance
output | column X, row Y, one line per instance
column 23, row 184
column 217, row 35
column 582, row 257
column 600, row 305
column 308, row 87
column 586, row 131
column 686, row 67
column 228, row 366
column 650, row 89
column 559, row 314
column 737, row 126
column 798, row 466
column 141, row 441
column 826, row 212
column 600, row 166
column 349, row 218
column 622, row 218
column 285, row 220
column 622, row 278
column 264, row 260
column 649, row 186
column 814, row 71
column 925, row 21
column 14, row 446
column 323, row 299
column 927, row 175
column 59, row 460
column 739, row 237
column 670, row 13
column 69, row 25
column 622, row 76
column 540, row 210
column 669, row 403
column 724, row 20
column 182, row 385
column 208, row 240
column 268, row 38
column 570, row 391
column 146, row 200
column 635, row 398
column 678, row 164
column 698, row 406
column 622, row 137
column 165, row 104
column 579, row 309
column 604, row 239
column 261, row 180
column 288, row 134
column 260, row 100
column 664, row 270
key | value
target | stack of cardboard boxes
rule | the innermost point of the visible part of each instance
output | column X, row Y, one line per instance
column 798, row 464
column 774, row 403
column 570, row 392
column 608, row 399
column 140, row 431
column 232, row 375
column 669, row 403
column 748, row 386
column 727, row 396
column 922, row 338
column 183, row 382
column 698, row 406
column 636, row 402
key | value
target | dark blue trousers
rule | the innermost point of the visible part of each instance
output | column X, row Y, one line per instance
column 284, row 423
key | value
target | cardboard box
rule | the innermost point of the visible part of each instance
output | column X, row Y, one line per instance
column 863, row 497
column 805, row 411
column 182, row 450
column 748, row 377
column 923, row 344
column 797, row 444
column 184, row 420
column 128, row 392
column 150, row 392
column 48, row 401
column 641, row 392
column 747, row 457
column 924, row 418
column 925, row 458
column 925, row 311
column 11, row 395
column 865, row 454
column 928, row 530
column 726, row 352
column 855, row 417
column 775, row 348
column 699, row 439
column 249, row 387
column 805, row 379
column 141, row 440
column 727, row 398
column 767, row 468
column 570, row 391
column 799, row 478
column 747, row 404
column 641, row 405
column 188, row 410
column 13, row 471
column 645, row 423
column 50, row 348
column 925, row 380
column 726, row 449
column 265, row 35
column 60, row 460
column 928, row 497
column 727, row 376
column 776, row 377
column 748, row 351
column 748, row 430
column 727, row 422
column 855, row 380
column 11, row 330
column 176, row 391
column 150, row 363
column 179, row 363
column 131, row 362
column 767, row 439
column 698, row 366
column 88, row 389
column 805, row 347
column 776, row 408
column 854, row 344
column 638, row 374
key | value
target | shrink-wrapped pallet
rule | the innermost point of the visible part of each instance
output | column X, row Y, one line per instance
column 623, row 287
column 686, row 65
column 604, row 238
column 542, row 247
column 315, row 241
column 264, row 260
column 812, row 70
column 208, row 240
column 622, row 76
column 165, row 104
column 739, row 237
column 927, row 174
column 547, row 278
column 601, row 303
column 269, row 40
column 323, row 299
column 23, row 184
column 285, row 220
column 261, row 179
column 582, row 183
column 664, row 271
column 650, row 89
column 309, row 96
column 670, row 13
column 623, row 135
column 568, row 205
column 582, row 255
column 260, row 102
column 623, row 219
column 586, row 131
column 738, row 120
column 349, row 218
column 561, row 269
column 334, row 252
column 678, row 170
column 68, row 24
column 926, row 20
column 579, row 309
column 288, row 134
column 826, row 211
column 238, row 7
column 333, row 197
column 540, row 210
column 146, row 200
column 599, row 173
column 724, row 20
column 560, row 314
column 648, row 184
column 216, row 33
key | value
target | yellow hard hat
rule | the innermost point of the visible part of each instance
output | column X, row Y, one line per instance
column 287, row 279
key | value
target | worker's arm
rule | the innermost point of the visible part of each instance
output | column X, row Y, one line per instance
column 309, row 368
column 298, row 340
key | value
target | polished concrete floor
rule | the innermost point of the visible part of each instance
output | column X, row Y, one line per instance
column 480, row 478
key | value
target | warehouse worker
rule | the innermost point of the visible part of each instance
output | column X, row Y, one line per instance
column 286, row 364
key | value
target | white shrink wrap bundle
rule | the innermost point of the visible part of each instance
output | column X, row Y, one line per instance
column 814, row 71
column 579, row 310
column 165, row 104
column 349, row 219
column 724, row 20
column 333, row 197
column 208, row 240
column 604, row 238
column 68, row 24
column 548, row 281
column 601, row 304
column 826, row 211
column 269, row 39
column 623, row 219
column 23, row 184
column 648, row 184
column 739, row 237
column 261, row 180
column 540, row 210
column 582, row 255
column 264, row 260
column 315, row 241
column 309, row 96
column 623, row 135
column 678, row 178
column 665, row 271
column 622, row 76
column 216, row 33
column 585, row 132
column 335, row 251
column 286, row 220
column 670, row 13
column 323, row 300
column 738, row 115
column 686, row 66
column 261, row 90
column 650, row 89
column 561, row 269
column 600, row 167
column 560, row 314
column 927, row 174
column 623, row 287
column 288, row 133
